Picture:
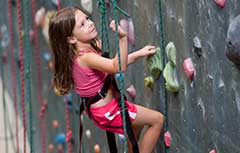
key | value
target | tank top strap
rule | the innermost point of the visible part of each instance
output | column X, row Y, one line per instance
column 82, row 52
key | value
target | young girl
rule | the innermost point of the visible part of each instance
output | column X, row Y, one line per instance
column 80, row 66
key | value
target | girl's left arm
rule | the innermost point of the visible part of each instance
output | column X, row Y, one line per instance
column 145, row 51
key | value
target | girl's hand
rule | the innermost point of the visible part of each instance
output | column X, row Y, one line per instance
column 121, row 32
column 147, row 50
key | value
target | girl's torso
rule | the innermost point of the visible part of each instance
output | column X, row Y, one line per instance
column 89, row 81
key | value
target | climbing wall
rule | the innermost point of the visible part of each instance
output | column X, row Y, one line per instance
column 202, row 115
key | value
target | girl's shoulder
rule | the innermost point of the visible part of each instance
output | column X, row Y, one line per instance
column 82, row 52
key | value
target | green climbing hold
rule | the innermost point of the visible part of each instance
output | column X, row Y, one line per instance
column 171, row 53
column 155, row 63
column 170, row 75
column 149, row 81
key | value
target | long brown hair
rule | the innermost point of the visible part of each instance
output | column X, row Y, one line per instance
column 60, row 28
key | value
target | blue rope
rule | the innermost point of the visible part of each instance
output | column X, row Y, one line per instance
column 121, row 77
column 27, row 63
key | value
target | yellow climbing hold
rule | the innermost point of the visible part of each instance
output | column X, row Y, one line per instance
column 149, row 81
column 155, row 63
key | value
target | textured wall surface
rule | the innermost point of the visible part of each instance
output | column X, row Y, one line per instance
column 203, row 115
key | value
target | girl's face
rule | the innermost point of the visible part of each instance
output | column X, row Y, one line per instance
column 84, row 29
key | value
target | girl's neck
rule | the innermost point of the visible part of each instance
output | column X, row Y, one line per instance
column 83, row 46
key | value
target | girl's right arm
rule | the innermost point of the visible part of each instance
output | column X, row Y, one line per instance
column 145, row 51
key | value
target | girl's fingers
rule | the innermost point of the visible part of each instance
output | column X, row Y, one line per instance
column 112, row 25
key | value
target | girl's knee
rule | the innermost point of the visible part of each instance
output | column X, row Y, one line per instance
column 159, row 119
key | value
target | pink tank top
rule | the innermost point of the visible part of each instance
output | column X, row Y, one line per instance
column 87, row 81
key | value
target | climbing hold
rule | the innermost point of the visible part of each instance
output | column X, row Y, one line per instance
column 51, row 65
column 131, row 91
column 167, row 138
column 88, row 133
column 55, row 123
column 189, row 68
column 4, row 36
column 4, row 57
column 69, row 136
column 51, row 148
column 197, row 46
column 149, row 81
column 31, row 35
column 128, row 26
column 155, row 63
column 39, row 16
column 96, row 148
column 171, row 53
column 42, row 19
column 56, row 2
column 47, row 56
column 60, row 148
column 170, row 76
column 131, row 36
column 233, row 41
column 60, row 138
column 87, row 5
column 212, row 151
column 220, row 3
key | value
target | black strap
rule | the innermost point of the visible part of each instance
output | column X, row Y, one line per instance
column 130, row 132
column 111, row 142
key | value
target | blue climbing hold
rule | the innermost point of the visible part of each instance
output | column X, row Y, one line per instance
column 60, row 138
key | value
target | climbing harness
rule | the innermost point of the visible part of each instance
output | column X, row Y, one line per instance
column 85, row 105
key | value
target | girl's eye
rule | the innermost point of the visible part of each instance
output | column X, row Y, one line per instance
column 87, row 18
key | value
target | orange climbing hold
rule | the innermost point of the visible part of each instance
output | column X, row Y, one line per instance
column 51, row 65
column 60, row 148
column 96, row 148
column 55, row 123
column 220, row 3
column 51, row 148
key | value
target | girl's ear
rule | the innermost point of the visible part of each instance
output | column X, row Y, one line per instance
column 71, row 40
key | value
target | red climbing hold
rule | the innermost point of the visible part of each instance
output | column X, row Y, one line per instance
column 167, row 138
column 189, row 68
column 212, row 151
column 220, row 3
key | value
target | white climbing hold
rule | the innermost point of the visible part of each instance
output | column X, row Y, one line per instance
column 87, row 5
